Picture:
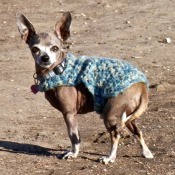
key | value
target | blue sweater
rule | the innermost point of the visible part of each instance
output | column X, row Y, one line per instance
column 104, row 78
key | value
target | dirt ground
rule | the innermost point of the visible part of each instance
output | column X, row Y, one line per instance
column 33, row 134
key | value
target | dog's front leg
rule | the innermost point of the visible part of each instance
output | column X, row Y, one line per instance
column 73, row 132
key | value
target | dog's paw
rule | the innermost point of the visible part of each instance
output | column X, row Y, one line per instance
column 106, row 160
column 69, row 155
column 147, row 154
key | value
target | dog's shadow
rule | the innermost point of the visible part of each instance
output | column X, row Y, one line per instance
column 29, row 149
column 14, row 147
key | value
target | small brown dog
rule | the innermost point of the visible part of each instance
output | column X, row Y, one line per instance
column 53, row 64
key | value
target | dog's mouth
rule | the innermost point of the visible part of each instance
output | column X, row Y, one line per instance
column 45, row 64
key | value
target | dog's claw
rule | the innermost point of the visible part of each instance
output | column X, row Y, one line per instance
column 106, row 160
column 69, row 155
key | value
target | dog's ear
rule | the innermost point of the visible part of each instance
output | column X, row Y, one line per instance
column 25, row 28
column 62, row 27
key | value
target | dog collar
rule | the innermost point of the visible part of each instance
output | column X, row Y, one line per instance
column 59, row 69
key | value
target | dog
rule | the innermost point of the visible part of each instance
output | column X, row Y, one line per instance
column 113, row 88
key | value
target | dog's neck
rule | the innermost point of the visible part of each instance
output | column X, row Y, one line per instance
column 57, row 67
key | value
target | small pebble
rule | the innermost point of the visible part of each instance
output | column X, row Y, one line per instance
column 82, row 14
column 107, row 5
column 167, row 40
column 137, row 57
column 20, row 110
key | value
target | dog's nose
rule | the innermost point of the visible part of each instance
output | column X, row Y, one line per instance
column 45, row 58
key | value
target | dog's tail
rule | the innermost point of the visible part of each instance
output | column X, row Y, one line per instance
column 138, row 112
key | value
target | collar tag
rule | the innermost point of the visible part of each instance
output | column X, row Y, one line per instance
column 60, row 68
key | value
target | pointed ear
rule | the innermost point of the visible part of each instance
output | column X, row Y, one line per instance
column 25, row 28
column 62, row 27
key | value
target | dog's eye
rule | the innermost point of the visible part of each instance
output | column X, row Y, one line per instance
column 35, row 50
column 54, row 49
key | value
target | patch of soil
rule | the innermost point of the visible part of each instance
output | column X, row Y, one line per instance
column 33, row 134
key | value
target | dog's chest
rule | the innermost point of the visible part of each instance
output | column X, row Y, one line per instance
column 104, row 78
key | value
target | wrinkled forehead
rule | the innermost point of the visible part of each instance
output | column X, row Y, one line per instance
column 45, row 39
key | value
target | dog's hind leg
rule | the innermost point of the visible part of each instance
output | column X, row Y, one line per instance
column 132, row 126
column 72, row 127
column 110, row 122
column 114, row 146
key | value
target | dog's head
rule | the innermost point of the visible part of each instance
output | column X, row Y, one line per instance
column 46, row 48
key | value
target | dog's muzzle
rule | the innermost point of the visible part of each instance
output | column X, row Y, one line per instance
column 45, row 58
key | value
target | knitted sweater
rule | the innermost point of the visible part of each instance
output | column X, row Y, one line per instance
column 104, row 78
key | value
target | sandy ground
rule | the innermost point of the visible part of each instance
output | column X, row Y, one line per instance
column 32, row 133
